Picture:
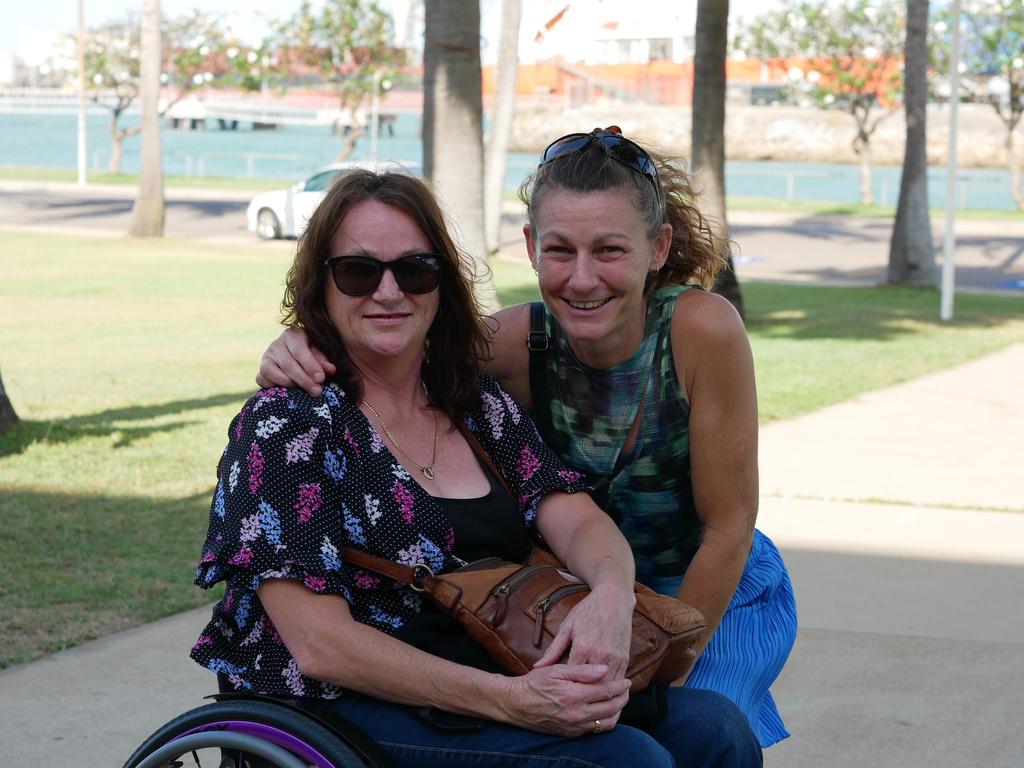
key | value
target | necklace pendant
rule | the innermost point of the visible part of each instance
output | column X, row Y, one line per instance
column 428, row 472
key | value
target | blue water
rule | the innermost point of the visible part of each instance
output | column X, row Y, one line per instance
column 295, row 151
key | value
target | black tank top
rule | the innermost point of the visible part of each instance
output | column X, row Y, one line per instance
column 487, row 526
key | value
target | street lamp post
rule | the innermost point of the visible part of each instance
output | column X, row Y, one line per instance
column 82, row 151
column 378, row 86
column 949, row 238
column 374, row 115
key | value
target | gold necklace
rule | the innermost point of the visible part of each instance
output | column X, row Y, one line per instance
column 428, row 470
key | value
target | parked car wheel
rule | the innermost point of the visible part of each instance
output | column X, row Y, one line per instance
column 267, row 225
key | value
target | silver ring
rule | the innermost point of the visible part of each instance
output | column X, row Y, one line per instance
column 597, row 726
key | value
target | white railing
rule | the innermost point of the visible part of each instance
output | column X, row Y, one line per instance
column 250, row 160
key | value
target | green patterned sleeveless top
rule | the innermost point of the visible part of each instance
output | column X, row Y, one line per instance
column 589, row 413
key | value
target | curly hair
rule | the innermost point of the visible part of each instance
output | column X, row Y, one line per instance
column 697, row 252
column 457, row 338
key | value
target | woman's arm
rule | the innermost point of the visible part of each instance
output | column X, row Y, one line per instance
column 714, row 364
column 329, row 645
column 509, row 361
column 290, row 361
column 598, row 629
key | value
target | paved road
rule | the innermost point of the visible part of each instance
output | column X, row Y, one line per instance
column 103, row 210
column 770, row 245
column 847, row 249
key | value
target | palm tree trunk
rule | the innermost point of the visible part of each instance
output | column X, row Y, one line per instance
column 8, row 418
column 453, row 126
column 911, row 250
column 707, row 131
column 148, row 212
column 496, row 159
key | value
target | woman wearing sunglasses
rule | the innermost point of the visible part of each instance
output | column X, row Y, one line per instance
column 644, row 382
column 379, row 461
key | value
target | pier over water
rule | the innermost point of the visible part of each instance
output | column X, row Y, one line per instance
column 223, row 109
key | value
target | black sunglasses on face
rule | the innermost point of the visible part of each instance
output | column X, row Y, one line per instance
column 614, row 144
column 360, row 275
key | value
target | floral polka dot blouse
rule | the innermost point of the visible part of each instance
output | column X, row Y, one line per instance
column 303, row 477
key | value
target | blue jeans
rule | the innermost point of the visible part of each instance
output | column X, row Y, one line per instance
column 702, row 729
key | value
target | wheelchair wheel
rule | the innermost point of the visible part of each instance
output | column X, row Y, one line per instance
column 245, row 734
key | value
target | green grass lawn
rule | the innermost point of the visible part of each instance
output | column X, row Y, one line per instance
column 27, row 173
column 127, row 359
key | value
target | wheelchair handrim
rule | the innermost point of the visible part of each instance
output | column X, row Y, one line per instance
column 268, row 733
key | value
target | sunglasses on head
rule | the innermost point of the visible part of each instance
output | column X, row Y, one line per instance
column 360, row 275
column 614, row 144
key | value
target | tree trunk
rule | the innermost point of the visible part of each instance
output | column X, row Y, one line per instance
column 1014, row 163
column 350, row 139
column 707, row 131
column 911, row 250
column 8, row 418
column 148, row 212
column 867, row 197
column 116, row 145
column 453, row 154
column 496, row 160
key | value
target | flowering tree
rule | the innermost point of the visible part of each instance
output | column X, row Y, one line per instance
column 190, row 44
column 193, row 46
column 992, row 63
column 350, row 43
column 845, row 56
column 112, row 75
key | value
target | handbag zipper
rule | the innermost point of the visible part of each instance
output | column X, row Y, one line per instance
column 502, row 591
column 545, row 605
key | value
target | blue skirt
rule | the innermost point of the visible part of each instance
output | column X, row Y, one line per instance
column 751, row 645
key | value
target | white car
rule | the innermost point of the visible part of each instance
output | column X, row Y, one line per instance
column 285, row 212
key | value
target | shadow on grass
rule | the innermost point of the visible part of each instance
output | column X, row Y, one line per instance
column 112, row 421
column 875, row 313
column 82, row 566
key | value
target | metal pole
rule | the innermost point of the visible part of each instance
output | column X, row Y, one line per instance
column 83, row 155
column 949, row 240
column 374, row 116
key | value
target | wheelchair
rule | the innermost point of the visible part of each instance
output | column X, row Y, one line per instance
column 241, row 730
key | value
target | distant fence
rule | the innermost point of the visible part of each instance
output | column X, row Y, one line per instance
column 975, row 188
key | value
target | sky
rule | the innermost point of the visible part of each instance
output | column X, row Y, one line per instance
column 31, row 26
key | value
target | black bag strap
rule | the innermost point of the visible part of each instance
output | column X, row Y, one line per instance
column 538, row 342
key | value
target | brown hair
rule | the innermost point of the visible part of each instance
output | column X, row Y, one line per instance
column 697, row 252
column 456, row 340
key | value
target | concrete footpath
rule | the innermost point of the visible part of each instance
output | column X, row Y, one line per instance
column 901, row 515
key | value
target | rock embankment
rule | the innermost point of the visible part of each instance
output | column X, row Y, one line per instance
column 790, row 134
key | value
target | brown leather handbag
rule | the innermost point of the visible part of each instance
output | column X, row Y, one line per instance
column 514, row 611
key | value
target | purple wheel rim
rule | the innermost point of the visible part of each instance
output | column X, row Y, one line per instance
column 268, row 733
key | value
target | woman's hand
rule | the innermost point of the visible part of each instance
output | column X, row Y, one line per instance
column 566, row 699
column 290, row 361
column 596, row 631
